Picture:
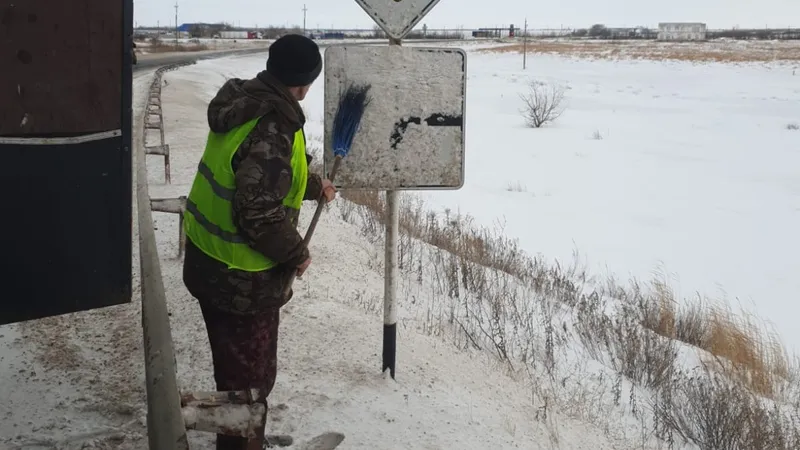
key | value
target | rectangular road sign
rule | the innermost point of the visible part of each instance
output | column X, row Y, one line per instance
column 412, row 133
column 397, row 17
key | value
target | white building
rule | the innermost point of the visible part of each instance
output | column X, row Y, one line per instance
column 681, row 31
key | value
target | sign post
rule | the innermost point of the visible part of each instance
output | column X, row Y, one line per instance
column 412, row 135
column 389, row 353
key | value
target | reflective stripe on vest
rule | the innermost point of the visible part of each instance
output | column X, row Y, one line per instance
column 208, row 220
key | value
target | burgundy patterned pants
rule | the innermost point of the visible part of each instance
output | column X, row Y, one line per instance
column 244, row 350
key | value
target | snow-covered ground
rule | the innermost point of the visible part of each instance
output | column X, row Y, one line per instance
column 686, row 169
column 686, row 164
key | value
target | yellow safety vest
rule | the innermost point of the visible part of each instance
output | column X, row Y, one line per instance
column 208, row 219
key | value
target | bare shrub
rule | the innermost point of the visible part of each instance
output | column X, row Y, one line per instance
column 516, row 186
column 690, row 323
column 597, row 136
column 716, row 414
column 634, row 351
column 793, row 126
column 542, row 103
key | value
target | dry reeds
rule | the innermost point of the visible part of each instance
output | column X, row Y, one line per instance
column 722, row 52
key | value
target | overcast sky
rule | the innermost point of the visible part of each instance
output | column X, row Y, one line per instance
column 477, row 13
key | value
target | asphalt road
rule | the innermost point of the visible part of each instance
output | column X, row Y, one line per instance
column 156, row 60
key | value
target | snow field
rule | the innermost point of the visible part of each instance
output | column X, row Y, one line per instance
column 681, row 169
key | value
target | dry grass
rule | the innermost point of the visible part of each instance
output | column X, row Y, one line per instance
column 487, row 294
column 754, row 355
column 746, row 352
column 736, row 345
column 712, row 51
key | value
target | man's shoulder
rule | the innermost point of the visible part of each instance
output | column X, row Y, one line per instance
column 273, row 136
column 274, row 123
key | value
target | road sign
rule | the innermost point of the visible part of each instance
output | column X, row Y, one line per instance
column 397, row 17
column 412, row 133
column 65, row 132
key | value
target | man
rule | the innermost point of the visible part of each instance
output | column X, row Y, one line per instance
column 241, row 216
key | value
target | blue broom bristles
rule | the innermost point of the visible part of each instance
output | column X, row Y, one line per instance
column 349, row 112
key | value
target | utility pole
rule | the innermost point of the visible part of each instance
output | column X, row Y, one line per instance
column 525, row 46
column 304, row 19
column 176, row 23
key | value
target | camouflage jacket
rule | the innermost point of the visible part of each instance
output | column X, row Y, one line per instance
column 262, row 167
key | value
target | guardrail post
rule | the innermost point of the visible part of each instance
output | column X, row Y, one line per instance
column 233, row 413
column 174, row 206
column 154, row 120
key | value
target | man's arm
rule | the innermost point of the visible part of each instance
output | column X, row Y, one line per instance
column 263, row 179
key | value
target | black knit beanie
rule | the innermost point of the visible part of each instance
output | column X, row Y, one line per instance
column 294, row 60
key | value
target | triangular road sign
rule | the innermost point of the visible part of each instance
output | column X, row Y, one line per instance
column 397, row 17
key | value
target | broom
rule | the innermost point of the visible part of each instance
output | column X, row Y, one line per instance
column 346, row 122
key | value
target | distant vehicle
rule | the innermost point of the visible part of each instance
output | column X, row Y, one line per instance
column 332, row 35
column 239, row 35
column 234, row 34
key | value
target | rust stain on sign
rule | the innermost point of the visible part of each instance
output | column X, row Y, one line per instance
column 62, row 67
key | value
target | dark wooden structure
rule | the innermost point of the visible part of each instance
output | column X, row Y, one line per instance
column 65, row 140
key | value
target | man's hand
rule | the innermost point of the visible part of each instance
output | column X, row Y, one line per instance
column 301, row 269
column 328, row 191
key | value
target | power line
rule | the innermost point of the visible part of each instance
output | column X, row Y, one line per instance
column 304, row 19
column 176, row 23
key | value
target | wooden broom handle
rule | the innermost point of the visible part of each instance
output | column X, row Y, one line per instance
column 313, row 225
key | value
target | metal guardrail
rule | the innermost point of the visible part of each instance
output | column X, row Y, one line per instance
column 171, row 413
column 154, row 120
column 165, row 426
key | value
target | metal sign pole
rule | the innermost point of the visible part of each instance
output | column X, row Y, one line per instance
column 443, row 122
column 390, row 275
column 525, row 46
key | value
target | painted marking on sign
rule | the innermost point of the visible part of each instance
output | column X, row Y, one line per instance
column 434, row 120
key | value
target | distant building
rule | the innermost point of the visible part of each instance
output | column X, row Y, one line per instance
column 495, row 32
column 681, row 31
